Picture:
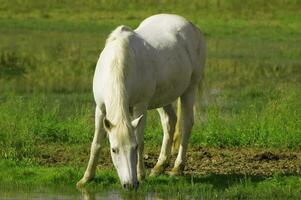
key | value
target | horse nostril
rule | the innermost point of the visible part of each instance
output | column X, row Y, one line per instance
column 124, row 186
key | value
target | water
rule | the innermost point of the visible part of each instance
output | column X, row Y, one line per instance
column 59, row 195
column 50, row 194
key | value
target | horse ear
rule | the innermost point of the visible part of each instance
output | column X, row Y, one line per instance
column 107, row 124
column 135, row 122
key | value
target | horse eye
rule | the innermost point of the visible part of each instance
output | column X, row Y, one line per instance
column 114, row 150
column 136, row 148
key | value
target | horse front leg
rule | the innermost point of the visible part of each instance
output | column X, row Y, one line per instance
column 95, row 148
column 139, row 132
column 187, row 120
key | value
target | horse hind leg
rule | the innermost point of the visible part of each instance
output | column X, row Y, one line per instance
column 168, row 120
column 186, row 123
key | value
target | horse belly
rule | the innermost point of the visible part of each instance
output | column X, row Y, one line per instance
column 169, row 89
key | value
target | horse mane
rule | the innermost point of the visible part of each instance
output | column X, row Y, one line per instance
column 119, row 33
column 119, row 40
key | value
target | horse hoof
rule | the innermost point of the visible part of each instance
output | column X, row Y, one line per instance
column 81, row 183
column 155, row 173
column 175, row 172
column 141, row 177
column 158, row 169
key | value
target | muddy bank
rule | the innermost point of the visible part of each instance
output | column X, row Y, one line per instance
column 243, row 161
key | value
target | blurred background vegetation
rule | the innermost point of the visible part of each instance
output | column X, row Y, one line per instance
column 48, row 52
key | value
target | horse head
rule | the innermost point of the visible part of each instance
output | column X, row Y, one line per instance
column 123, row 144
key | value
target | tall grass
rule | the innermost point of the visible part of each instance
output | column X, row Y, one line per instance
column 30, row 121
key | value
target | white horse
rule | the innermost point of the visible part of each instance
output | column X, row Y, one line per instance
column 146, row 68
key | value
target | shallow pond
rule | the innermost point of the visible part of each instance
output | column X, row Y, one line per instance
column 50, row 194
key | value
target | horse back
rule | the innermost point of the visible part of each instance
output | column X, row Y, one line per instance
column 177, row 53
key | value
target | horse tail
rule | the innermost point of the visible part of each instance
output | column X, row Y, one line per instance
column 201, row 51
column 197, row 116
column 198, row 101
column 177, row 134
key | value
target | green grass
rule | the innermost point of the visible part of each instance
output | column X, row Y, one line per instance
column 29, row 121
column 251, row 95
column 63, row 39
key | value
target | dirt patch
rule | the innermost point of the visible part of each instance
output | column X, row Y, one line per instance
column 244, row 161
column 266, row 156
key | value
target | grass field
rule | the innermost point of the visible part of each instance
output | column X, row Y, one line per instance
column 251, row 96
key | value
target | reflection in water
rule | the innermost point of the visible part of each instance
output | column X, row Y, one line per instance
column 116, row 195
column 91, row 195
column 82, row 194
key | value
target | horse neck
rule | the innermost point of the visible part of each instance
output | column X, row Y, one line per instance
column 117, row 106
column 118, row 111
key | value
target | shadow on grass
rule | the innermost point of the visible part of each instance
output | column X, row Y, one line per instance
column 161, row 187
column 223, row 181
